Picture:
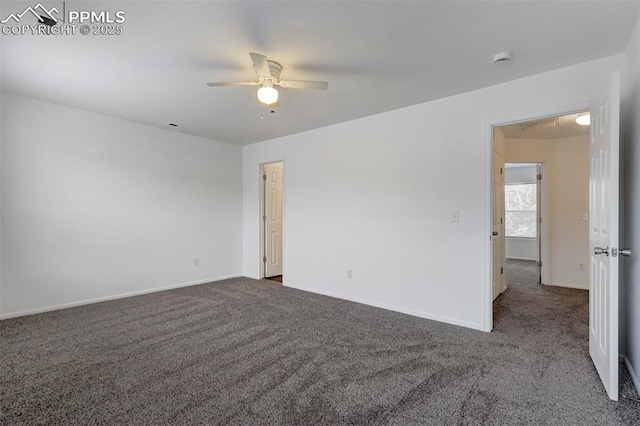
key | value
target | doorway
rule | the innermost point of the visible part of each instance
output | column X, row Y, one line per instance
column 545, row 197
column 272, row 220
column 523, row 218
column 601, row 217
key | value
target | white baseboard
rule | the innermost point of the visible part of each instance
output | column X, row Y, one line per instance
column 576, row 286
column 632, row 373
column 116, row 296
column 253, row 277
column 412, row 312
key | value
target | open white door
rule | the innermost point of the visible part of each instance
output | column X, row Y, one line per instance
column 497, row 225
column 272, row 178
column 603, row 235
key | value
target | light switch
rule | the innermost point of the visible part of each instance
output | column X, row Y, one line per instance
column 455, row 216
column 583, row 216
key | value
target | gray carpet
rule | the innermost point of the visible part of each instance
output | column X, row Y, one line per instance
column 522, row 273
column 254, row 352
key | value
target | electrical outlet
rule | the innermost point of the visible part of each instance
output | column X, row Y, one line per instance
column 196, row 262
column 455, row 216
column 581, row 266
column 349, row 273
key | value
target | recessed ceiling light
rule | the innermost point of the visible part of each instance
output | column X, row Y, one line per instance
column 584, row 119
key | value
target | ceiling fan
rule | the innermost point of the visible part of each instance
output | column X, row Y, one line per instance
column 269, row 76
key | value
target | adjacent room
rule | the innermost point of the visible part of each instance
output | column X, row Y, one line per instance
column 522, row 219
column 266, row 212
column 546, row 200
column 543, row 231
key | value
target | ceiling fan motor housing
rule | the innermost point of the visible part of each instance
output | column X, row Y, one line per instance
column 275, row 69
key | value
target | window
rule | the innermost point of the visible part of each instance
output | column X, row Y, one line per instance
column 520, row 210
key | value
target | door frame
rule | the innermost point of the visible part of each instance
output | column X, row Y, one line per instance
column 261, row 213
column 488, row 252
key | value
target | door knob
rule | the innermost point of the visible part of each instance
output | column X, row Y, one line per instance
column 495, row 233
column 625, row 252
column 600, row 250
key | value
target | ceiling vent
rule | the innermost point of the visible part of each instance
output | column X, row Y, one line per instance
column 547, row 123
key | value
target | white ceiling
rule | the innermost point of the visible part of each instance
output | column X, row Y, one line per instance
column 376, row 56
column 563, row 126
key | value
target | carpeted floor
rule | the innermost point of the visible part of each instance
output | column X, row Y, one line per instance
column 522, row 279
column 522, row 273
column 255, row 352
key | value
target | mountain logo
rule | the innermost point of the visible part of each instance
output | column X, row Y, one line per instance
column 39, row 11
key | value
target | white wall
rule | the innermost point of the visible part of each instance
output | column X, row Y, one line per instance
column 631, row 225
column 567, row 176
column 374, row 195
column 94, row 207
column 521, row 248
column 1, row 137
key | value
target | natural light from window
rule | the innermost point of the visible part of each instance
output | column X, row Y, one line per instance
column 520, row 210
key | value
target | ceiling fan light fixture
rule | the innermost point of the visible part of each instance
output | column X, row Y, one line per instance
column 584, row 119
column 268, row 73
column 267, row 95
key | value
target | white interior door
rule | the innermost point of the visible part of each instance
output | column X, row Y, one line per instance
column 497, row 240
column 272, row 217
column 603, row 239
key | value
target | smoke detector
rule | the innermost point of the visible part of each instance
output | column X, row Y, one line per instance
column 502, row 57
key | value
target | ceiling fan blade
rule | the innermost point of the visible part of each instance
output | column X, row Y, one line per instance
column 233, row 83
column 261, row 65
column 300, row 84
